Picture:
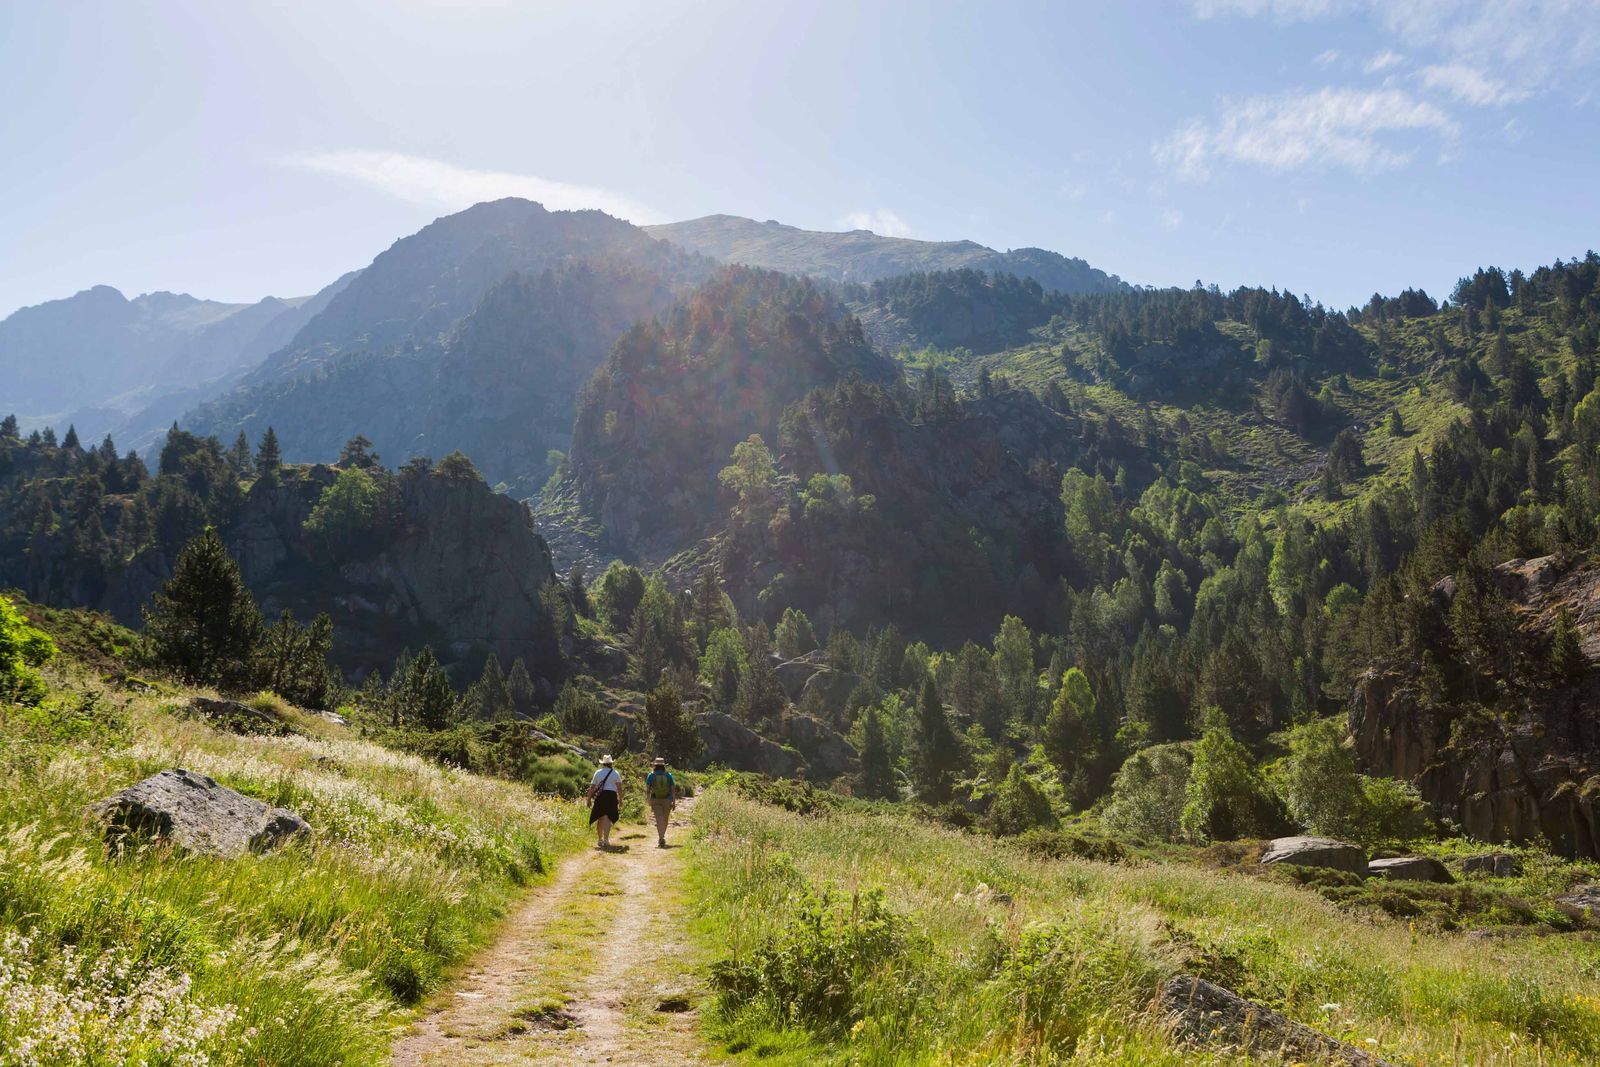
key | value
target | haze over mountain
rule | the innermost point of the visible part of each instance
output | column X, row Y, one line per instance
column 96, row 356
column 864, row 256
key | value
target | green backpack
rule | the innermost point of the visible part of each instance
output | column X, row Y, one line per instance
column 660, row 785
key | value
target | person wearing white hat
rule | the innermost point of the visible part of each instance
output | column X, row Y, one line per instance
column 605, row 808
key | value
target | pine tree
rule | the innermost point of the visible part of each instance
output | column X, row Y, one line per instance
column 794, row 635
column 876, row 778
column 760, row 697
column 358, row 454
column 673, row 734
column 938, row 752
column 269, row 457
column 519, row 688
column 205, row 626
column 1567, row 660
column 422, row 693
column 9, row 430
column 1070, row 736
column 240, row 462
column 70, row 442
column 578, row 593
column 494, row 695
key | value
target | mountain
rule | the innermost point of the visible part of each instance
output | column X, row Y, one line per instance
column 863, row 256
column 475, row 333
column 663, row 413
column 423, row 285
column 108, row 364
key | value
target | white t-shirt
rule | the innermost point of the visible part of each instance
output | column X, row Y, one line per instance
column 606, row 778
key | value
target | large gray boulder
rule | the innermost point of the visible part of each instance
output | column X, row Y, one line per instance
column 734, row 745
column 1410, row 869
column 826, row 751
column 198, row 814
column 1204, row 1013
column 828, row 692
column 1317, row 852
column 237, row 717
column 1494, row 864
column 1585, row 897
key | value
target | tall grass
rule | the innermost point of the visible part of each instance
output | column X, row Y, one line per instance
column 1029, row 960
column 311, row 955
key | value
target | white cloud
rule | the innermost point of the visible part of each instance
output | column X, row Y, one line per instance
column 420, row 180
column 1469, row 85
column 1383, row 61
column 1524, row 44
column 1327, row 128
column 1172, row 218
column 1326, row 59
column 882, row 222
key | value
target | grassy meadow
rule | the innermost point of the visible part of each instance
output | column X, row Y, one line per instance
column 314, row 954
column 868, row 937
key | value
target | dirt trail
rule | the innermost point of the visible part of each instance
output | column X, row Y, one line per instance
column 589, row 969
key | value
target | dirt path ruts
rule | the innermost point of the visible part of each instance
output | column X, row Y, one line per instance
column 585, row 971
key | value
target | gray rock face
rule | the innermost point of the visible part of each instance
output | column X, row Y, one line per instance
column 826, row 751
column 1317, row 852
column 1494, row 864
column 196, row 813
column 794, row 674
column 1410, row 869
column 732, row 744
column 1586, row 897
column 1204, row 1013
column 828, row 691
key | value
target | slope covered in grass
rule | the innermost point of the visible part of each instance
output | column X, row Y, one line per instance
column 977, row 952
column 310, row 955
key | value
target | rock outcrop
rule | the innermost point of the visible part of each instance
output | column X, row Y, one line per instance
column 730, row 743
column 1410, row 869
column 1317, row 852
column 1514, row 779
column 1204, row 1013
column 828, row 755
column 1493, row 864
column 195, row 813
column 238, row 717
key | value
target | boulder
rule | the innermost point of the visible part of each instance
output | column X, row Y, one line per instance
column 1317, row 852
column 196, row 813
column 1585, row 897
column 828, row 691
column 1494, row 864
column 1410, row 869
column 826, row 751
column 237, row 717
column 1204, row 1013
column 733, row 744
column 794, row 674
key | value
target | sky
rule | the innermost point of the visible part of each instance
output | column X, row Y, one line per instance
column 1330, row 147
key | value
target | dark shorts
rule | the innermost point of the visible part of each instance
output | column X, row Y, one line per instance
column 605, row 806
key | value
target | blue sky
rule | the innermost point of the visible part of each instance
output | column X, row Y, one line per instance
column 1332, row 147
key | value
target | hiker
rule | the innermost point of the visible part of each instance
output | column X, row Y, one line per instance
column 605, row 790
column 663, row 792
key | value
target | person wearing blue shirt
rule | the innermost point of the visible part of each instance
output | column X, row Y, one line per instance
column 663, row 793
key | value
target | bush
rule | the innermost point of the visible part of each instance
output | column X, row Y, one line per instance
column 1318, row 781
column 1391, row 811
column 1019, row 805
column 815, row 971
column 22, row 648
column 1225, row 798
column 346, row 513
column 579, row 712
column 1148, row 794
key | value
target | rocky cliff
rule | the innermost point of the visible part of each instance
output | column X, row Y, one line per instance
column 1516, row 776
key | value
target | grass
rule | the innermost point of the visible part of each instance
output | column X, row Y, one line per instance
column 311, row 955
column 1011, row 958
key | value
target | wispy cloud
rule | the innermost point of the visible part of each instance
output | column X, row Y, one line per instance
column 1171, row 218
column 1383, row 61
column 420, row 180
column 882, row 222
column 1524, row 44
column 1469, row 85
column 1327, row 128
column 1327, row 58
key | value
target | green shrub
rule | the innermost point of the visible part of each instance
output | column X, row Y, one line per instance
column 814, row 971
column 22, row 648
column 346, row 513
column 1019, row 805
column 1148, row 794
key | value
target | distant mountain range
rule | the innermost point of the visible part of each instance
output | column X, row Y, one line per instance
column 476, row 332
column 863, row 256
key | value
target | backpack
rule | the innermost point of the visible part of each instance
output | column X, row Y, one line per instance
column 660, row 785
